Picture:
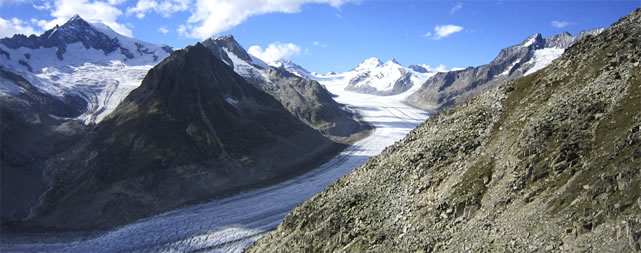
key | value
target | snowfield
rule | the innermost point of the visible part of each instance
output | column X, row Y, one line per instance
column 544, row 57
column 233, row 223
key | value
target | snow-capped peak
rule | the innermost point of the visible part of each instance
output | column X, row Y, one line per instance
column 86, row 60
column 369, row 63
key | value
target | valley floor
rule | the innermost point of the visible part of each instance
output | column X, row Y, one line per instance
column 233, row 223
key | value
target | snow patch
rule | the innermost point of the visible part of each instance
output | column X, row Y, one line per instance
column 544, row 57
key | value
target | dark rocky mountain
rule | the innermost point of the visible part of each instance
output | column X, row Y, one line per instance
column 455, row 87
column 302, row 97
column 548, row 162
column 34, row 126
column 40, row 114
column 193, row 130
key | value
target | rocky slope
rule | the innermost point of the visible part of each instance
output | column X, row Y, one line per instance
column 455, row 87
column 302, row 97
column 548, row 162
column 34, row 126
column 193, row 130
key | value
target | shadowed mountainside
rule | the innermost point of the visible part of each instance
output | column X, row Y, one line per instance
column 193, row 130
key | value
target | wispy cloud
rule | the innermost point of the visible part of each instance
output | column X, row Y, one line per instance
column 318, row 44
column 443, row 31
column 165, row 8
column 456, row 8
column 163, row 30
column 275, row 51
column 209, row 17
column 15, row 26
column 560, row 24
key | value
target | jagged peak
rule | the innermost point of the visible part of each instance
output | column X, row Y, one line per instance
column 74, row 21
column 75, row 17
column 532, row 39
column 229, row 43
column 228, row 37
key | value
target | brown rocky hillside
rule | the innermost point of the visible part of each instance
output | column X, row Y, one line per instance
column 548, row 162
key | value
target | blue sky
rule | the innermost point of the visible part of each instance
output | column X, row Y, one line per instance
column 331, row 35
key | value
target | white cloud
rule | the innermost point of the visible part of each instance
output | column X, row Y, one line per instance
column 444, row 31
column 44, row 7
column 456, row 8
column 15, row 26
column 210, row 17
column 163, row 30
column 182, row 30
column 92, row 11
column 560, row 24
column 116, row 2
column 165, row 8
column 275, row 51
column 441, row 68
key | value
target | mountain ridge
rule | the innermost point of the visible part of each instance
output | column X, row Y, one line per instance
column 303, row 97
column 450, row 88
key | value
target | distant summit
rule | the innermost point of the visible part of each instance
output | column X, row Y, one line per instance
column 75, row 30
column 372, row 76
column 531, row 55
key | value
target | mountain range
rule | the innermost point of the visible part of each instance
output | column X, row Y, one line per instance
column 538, row 150
column 374, row 77
column 97, row 122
